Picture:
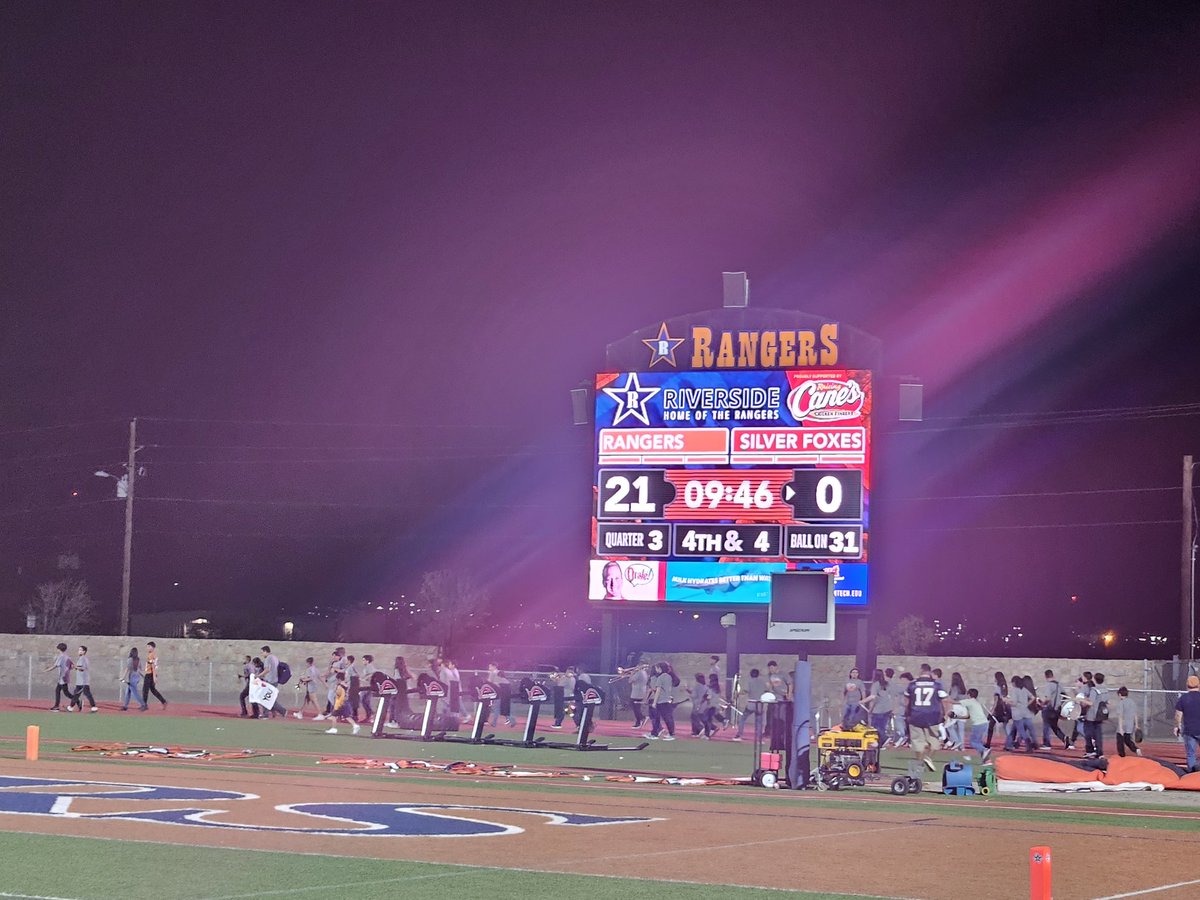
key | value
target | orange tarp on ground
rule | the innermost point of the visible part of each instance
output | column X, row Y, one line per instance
column 1043, row 771
column 1124, row 769
column 1187, row 783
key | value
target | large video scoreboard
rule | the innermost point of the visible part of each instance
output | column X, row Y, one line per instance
column 706, row 483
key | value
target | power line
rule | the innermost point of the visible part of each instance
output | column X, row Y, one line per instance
column 1014, row 495
column 64, row 455
column 41, row 428
column 382, row 460
column 322, row 504
column 1056, row 525
column 41, row 509
column 1105, row 411
column 270, row 535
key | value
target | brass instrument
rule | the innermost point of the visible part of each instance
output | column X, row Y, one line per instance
column 623, row 673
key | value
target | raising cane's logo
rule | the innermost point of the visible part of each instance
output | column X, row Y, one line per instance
column 820, row 400
column 638, row 574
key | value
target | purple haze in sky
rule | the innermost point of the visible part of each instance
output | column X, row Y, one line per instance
column 435, row 217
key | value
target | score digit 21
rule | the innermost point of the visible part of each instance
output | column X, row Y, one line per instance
column 765, row 495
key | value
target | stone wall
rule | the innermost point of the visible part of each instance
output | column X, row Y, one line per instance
column 190, row 670
column 204, row 671
column 829, row 672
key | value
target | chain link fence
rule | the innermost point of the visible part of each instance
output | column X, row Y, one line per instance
column 216, row 682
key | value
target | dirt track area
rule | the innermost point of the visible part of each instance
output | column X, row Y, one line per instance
column 779, row 841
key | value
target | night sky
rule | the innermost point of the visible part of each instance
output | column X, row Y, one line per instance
column 345, row 262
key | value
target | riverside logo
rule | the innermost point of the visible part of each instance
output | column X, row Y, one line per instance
column 772, row 349
column 205, row 808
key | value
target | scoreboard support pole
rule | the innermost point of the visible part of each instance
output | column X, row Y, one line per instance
column 800, row 763
column 864, row 654
column 609, row 628
column 733, row 660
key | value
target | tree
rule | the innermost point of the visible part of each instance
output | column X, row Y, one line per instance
column 450, row 601
column 62, row 607
column 911, row 636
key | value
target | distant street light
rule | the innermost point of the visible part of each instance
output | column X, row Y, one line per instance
column 125, row 492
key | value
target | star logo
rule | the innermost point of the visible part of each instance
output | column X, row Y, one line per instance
column 663, row 346
column 631, row 400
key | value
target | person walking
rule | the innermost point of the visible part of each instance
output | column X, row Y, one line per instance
column 853, row 694
column 247, row 671
column 1081, row 685
column 1021, row 702
column 1127, row 721
column 150, row 676
column 257, row 710
column 62, row 687
column 83, row 684
column 271, row 677
column 753, row 690
column 668, row 686
column 1049, row 698
column 1090, row 700
column 881, row 703
column 131, row 676
column 340, row 705
column 309, row 683
column 955, row 736
column 977, row 722
column 1187, row 720
column 367, row 672
column 652, row 703
column 928, row 703
column 453, row 680
column 564, row 687
column 899, row 690
column 1001, row 712
column 400, row 711
column 639, row 680
column 354, row 684
column 502, row 707
column 701, row 706
column 777, row 682
column 337, row 663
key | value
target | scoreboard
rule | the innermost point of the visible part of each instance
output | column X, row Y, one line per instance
column 708, row 482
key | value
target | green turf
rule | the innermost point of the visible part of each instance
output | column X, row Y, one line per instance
column 293, row 743
column 724, row 759
column 100, row 870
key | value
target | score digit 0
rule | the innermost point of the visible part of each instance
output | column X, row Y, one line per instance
column 816, row 494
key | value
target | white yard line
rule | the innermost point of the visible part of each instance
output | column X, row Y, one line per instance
column 1153, row 890
column 467, row 869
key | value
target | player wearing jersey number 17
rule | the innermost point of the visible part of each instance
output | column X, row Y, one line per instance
column 928, row 703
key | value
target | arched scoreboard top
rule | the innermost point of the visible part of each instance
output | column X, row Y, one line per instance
column 732, row 445
column 725, row 339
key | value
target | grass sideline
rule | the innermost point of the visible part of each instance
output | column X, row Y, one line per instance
column 122, row 870
column 723, row 759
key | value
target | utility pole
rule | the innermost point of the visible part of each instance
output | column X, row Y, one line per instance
column 126, row 570
column 1187, row 619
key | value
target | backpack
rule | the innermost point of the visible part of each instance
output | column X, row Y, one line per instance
column 284, row 671
column 1000, row 712
column 1102, row 710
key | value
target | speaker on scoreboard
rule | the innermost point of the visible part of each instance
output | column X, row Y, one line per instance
column 737, row 290
column 802, row 606
column 581, row 402
column 912, row 398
